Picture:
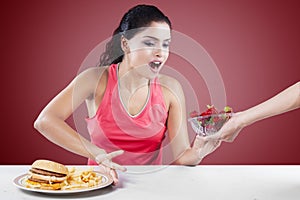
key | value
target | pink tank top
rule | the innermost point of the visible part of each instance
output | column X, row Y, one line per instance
column 140, row 136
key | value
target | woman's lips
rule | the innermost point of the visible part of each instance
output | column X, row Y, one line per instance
column 155, row 66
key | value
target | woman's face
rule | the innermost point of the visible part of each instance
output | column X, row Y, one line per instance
column 149, row 49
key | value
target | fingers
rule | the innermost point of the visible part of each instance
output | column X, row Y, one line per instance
column 112, row 165
column 114, row 154
column 206, row 145
column 101, row 157
column 114, row 176
column 216, row 136
column 213, row 139
column 110, row 172
column 217, row 144
column 105, row 159
column 199, row 142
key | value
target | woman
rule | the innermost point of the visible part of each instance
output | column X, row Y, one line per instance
column 131, row 106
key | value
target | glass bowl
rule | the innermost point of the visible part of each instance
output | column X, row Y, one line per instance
column 209, row 124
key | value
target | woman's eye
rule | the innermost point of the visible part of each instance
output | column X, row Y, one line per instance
column 166, row 45
column 149, row 44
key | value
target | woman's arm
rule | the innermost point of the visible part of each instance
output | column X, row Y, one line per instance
column 183, row 152
column 288, row 99
column 51, row 121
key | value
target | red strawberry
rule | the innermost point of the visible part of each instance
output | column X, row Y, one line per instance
column 216, row 119
column 211, row 110
column 194, row 114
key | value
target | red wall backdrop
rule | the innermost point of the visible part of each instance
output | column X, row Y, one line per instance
column 255, row 45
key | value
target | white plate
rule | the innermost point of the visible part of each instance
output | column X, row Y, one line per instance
column 20, row 183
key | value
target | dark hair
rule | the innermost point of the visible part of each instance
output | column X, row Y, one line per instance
column 137, row 17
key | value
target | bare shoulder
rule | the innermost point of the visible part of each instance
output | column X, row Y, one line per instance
column 90, row 77
column 171, row 89
column 92, row 74
column 170, row 83
column 88, row 80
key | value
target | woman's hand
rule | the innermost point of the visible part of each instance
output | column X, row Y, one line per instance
column 231, row 129
column 109, row 171
column 107, row 166
column 205, row 145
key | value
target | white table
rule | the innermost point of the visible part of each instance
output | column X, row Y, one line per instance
column 270, row 182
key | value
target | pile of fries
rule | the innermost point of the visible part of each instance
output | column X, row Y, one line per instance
column 79, row 179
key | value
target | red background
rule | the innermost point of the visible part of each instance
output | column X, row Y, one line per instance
column 255, row 45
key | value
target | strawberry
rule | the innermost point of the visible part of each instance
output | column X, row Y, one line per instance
column 216, row 119
column 211, row 110
column 194, row 114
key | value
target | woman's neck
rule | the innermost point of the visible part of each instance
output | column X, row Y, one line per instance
column 129, row 78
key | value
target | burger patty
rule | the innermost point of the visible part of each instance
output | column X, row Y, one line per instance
column 46, row 173
column 37, row 180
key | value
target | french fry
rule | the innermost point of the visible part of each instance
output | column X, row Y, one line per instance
column 79, row 179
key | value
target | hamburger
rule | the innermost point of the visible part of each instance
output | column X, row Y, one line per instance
column 47, row 175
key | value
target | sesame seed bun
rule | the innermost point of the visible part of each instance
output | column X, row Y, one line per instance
column 50, row 166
